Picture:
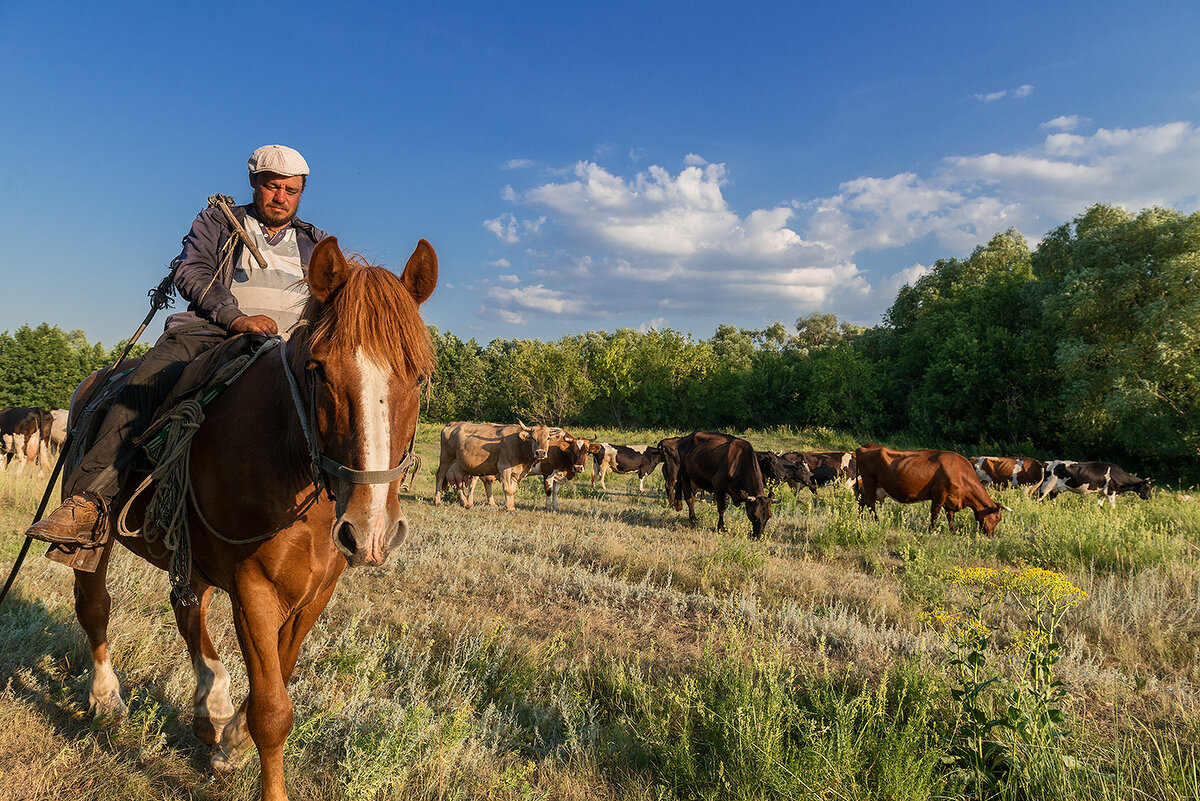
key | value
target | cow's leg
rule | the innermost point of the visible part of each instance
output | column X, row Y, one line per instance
column 439, row 482
column 508, row 482
column 686, row 492
column 604, row 471
column 211, row 706
column 92, row 606
column 468, row 499
column 641, row 482
column 722, row 502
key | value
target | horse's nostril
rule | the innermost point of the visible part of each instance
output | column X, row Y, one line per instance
column 344, row 535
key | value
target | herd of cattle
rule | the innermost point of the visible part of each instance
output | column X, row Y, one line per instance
column 726, row 466
column 28, row 433
column 731, row 469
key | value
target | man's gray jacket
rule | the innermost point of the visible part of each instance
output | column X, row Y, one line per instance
column 196, row 268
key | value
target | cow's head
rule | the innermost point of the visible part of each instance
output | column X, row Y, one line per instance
column 537, row 440
column 758, row 509
column 653, row 456
column 988, row 518
column 579, row 449
column 798, row 471
column 1143, row 488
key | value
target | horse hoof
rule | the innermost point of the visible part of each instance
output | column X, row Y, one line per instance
column 223, row 761
column 208, row 730
column 108, row 707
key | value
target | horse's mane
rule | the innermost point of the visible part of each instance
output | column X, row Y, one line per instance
column 374, row 311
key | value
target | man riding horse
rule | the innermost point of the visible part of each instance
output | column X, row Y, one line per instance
column 240, row 271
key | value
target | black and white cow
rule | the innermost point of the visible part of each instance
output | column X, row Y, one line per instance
column 1088, row 477
column 640, row 459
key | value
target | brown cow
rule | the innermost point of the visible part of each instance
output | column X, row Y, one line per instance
column 944, row 478
column 727, row 467
column 489, row 449
column 564, row 459
column 466, row 485
column 1010, row 472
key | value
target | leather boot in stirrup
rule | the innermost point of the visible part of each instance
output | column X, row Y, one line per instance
column 79, row 520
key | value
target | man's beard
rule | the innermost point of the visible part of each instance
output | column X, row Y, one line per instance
column 275, row 219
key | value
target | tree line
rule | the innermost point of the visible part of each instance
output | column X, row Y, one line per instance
column 1085, row 347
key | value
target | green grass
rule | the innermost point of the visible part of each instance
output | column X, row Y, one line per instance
column 612, row 650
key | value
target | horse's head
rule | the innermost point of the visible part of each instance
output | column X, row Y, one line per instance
column 367, row 350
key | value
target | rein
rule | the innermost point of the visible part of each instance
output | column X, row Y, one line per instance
column 321, row 465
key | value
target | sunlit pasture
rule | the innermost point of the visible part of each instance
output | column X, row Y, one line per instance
column 612, row 650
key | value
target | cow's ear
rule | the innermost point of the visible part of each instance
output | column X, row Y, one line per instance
column 524, row 435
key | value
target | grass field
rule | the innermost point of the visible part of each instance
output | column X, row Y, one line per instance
column 612, row 651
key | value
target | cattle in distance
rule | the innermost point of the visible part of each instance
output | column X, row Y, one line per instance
column 1085, row 478
column 1008, row 471
column 624, row 459
column 724, row 465
column 489, row 449
column 944, row 478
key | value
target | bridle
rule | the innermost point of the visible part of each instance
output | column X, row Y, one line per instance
column 322, row 466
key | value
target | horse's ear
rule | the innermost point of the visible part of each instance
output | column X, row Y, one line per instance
column 421, row 272
column 327, row 269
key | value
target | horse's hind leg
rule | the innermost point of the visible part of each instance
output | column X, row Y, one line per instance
column 92, row 606
column 211, row 706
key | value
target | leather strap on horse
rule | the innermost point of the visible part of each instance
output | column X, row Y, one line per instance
column 166, row 515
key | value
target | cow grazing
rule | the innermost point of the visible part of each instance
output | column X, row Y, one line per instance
column 58, row 429
column 23, row 428
column 564, row 460
column 1009, row 471
column 779, row 469
column 1088, row 477
column 489, row 449
column 640, row 459
column 826, row 467
column 727, row 467
column 946, row 479
column 669, row 450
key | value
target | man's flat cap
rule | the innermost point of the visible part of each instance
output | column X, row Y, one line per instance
column 278, row 159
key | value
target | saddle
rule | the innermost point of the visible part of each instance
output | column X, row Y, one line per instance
column 201, row 381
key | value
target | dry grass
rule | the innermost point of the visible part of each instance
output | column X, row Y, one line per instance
column 426, row 677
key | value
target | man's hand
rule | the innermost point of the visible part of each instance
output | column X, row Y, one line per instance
column 254, row 324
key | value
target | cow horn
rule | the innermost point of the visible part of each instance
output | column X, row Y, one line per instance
column 1002, row 506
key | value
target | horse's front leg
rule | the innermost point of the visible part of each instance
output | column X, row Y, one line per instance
column 211, row 706
column 92, row 606
column 266, row 714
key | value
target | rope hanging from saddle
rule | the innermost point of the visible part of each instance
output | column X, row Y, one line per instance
column 166, row 515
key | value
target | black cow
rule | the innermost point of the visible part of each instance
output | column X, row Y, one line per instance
column 1088, row 477
column 827, row 467
column 779, row 469
column 640, row 459
column 725, row 466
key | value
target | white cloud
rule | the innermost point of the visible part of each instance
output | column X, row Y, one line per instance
column 1024, row 90
column 503, row 264
column 1068, row 122
column 508, row 278
column 517, row 164
column 668, row 247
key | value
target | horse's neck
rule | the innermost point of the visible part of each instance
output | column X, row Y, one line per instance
column 266, row 416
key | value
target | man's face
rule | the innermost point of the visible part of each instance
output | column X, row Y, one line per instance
column 276, row 197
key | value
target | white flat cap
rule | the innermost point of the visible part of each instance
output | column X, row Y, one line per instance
column 278, row 159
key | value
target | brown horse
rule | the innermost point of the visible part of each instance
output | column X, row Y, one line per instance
column 356, row 362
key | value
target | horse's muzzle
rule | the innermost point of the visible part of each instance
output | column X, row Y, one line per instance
column 360, row 547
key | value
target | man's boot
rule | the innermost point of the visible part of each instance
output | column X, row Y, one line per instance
column 80, row 520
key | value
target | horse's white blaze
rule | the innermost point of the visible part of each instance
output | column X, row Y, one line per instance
column 377, row 441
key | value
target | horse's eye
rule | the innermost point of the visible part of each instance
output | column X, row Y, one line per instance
column 316, row 370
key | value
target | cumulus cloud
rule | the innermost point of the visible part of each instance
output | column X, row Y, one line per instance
column 667, row 246
column 502, row 264
column 517, row 164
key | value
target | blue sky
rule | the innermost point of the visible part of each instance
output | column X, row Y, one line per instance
column 586, row 167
